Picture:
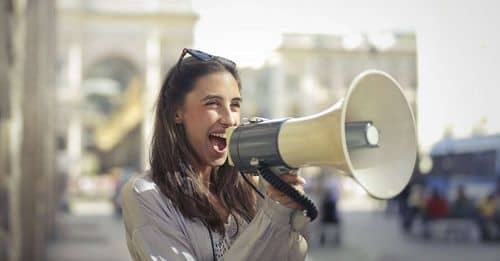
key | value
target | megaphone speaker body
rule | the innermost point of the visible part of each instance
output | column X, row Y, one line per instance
column 323, row 139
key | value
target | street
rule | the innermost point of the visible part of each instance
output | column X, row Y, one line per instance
column 93, row 233
column 373, row 236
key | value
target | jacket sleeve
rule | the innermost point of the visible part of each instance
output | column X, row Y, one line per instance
column 276, row 233
column 152, row 233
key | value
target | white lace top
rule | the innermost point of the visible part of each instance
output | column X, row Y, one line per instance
column 222, row 243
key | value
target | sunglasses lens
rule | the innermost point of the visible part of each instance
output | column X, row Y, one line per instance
column 226, row 61
column 201, row 55
column 205, row 57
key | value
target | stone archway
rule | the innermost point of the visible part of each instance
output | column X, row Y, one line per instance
column 107, row 87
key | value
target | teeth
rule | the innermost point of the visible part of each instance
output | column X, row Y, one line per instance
column 220, row 135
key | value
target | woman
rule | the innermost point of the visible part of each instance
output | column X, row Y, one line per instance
column 192, row 205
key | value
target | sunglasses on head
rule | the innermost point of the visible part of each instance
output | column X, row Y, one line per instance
column 202, row 56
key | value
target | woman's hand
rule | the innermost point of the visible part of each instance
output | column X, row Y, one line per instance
column 296, row 181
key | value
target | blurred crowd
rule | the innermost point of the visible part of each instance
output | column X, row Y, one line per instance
column 428, row 206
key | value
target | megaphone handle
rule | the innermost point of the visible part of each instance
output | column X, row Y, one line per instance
column 278, row 183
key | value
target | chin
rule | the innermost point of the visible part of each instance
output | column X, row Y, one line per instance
column 218, row 162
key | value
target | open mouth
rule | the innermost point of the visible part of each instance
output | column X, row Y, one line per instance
column 218, row 141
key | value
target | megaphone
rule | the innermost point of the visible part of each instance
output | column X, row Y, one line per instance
column 369, row 135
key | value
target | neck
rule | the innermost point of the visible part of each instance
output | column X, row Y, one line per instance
column 212, row 198
column 205, row 176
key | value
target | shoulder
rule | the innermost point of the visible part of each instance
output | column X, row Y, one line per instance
column 152, row 222
column 143, row 201
column 140, row 183
column 140, row 186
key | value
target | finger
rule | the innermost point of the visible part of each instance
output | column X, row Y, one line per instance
column 299, row 188
column 282, row 198
column 277, row 193
column 291, row 204
column 286, row 200
column 270, row 190
column 293, row 179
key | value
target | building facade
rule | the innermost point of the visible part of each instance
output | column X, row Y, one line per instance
column 309, row 73
column 112, row 56
column 69, row 70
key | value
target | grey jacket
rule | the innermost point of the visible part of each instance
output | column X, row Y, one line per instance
column 156, row 230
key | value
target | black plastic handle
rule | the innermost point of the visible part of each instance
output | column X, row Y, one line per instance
column 278, row 183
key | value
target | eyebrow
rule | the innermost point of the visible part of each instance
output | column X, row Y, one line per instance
column 208, row 97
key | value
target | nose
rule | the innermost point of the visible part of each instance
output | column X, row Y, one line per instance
column 229, row 117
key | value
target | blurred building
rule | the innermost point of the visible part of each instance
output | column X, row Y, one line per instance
column 112, row 56
column 27, row 170
column 309, row 72
column 472, row 162
column 77, row 85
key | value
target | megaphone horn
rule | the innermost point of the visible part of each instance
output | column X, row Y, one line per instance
column 369, row 135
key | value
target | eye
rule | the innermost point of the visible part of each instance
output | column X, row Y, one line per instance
column 236, row 104
column 212, row 103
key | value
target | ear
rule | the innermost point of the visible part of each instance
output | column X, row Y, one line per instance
column 178, row 117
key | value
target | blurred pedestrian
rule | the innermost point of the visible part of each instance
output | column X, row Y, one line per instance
column 330, row 220
column 63, row 166
column 462, row 206
column 416, row 204
column 436, row 207
column 487, row 218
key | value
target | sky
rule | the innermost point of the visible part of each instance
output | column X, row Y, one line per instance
column 457, row 41
column 248, row 31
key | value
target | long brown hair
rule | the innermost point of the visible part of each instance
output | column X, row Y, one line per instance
column 174, row 161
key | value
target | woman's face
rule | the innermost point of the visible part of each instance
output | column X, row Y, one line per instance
column 212, row 106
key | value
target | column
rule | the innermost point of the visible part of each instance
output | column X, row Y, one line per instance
column 30, row 132
column 75, row 123
column 153, row 82
column 308, row 88
column 277, row 98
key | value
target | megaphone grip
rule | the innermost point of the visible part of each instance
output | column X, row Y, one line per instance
column 278, row 183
